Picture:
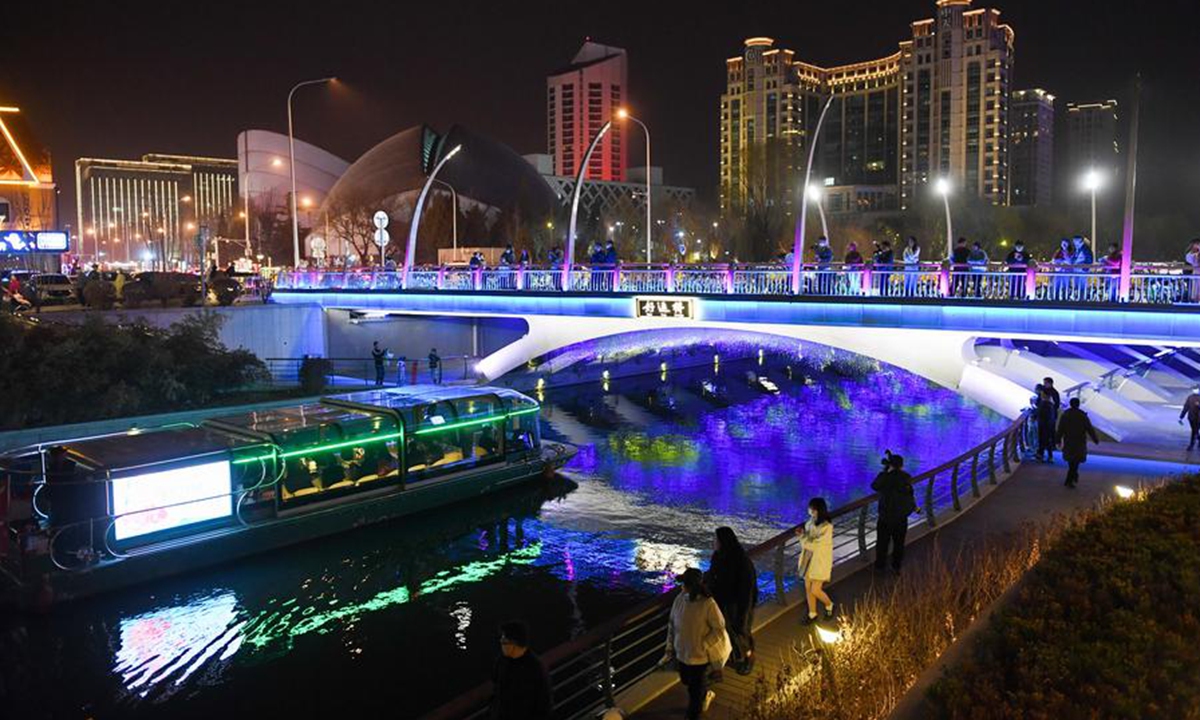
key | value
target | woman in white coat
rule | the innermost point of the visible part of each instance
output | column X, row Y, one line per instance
column 816, row 557
column 696, row 639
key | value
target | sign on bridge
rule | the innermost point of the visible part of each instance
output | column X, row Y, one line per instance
column 665, row 306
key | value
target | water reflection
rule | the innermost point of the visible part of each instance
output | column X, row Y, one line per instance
column 389, row 610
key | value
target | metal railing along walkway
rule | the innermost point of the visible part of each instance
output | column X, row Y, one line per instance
column 587, row 673
column 1150, row 284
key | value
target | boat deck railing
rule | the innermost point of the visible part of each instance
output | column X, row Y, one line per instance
column 1150, row 283
column 587, row 673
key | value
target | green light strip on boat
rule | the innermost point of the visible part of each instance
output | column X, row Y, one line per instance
column 383, row 438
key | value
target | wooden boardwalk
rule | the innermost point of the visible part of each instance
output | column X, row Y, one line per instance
column 1034, row 492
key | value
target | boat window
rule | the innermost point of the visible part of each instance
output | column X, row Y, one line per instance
column 524, row 429
column 351, row 456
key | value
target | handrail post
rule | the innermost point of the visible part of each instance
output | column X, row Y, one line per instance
column 441, row 277
column 862, row 531
column 975, row 474
column 477, row 279
column 780, row 590
column 671, row 278
column 1004, row 453
column 616, row 277
column 521, row 276
column 992, row 464
column 609, row 700
column 929, row 513
column 944, row 280
column 729, row 279
column 1031, row 280
column 954, row 487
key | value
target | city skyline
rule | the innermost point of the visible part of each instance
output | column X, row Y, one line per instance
column 675, row 82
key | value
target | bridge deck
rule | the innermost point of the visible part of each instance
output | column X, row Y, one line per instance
column 1033, row 493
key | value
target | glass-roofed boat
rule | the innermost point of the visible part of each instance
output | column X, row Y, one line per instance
column 92, row 514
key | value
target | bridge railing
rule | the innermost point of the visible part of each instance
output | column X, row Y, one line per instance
column 588, row 672
column 1153, row 284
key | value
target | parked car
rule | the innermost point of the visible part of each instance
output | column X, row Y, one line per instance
column 53, row 288
column 165, row 287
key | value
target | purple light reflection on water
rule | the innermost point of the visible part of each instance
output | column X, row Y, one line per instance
column 765, row 458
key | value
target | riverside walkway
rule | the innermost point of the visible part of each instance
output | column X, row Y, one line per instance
column 1032, row 493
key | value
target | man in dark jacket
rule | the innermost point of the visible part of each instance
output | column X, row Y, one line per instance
column 896, row 503
column 1191, row 410
column 521, row 684
column 379, row 355
column 1074, row 428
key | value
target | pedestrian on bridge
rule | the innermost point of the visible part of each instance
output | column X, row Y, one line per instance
column 521, row 684
column 816, row 557
column 896, row 502
column 1046, row 413
column 1191, row 410
column 1074, row 429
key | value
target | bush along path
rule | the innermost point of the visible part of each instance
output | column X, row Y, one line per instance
column 1106, row 625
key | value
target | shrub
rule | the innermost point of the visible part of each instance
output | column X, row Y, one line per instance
column 1107, row 626
column 75, row 373
column 313, row 371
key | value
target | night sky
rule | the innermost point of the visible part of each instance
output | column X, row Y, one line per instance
column 118, row 79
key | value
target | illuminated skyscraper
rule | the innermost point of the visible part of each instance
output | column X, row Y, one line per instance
column 1031, row 147
column 579, row 100
column 1092, row 140
column 938, row 107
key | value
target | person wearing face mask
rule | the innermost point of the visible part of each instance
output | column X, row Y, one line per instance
column 816, row 558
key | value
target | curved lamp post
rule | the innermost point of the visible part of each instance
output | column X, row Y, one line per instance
column 623, row 114
column 942, row 186
column 454, row 218
column 1091, row 183
column 569, row 257
column 292, row 165
column 798, row 248
column 410, row 253
column 815, row 194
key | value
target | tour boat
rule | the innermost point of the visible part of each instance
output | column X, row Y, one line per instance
column 89, row 515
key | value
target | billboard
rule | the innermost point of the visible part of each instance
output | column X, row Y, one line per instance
column 23, row 242
column 155, row 502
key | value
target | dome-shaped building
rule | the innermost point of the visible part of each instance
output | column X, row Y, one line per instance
column 487, row 175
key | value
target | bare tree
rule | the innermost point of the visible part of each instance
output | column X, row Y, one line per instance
column 352, row 227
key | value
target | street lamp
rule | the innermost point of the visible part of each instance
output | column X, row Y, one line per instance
column 454, row 218
column 942, row 186
column 292, row 164
column 1092, row 182
column 623, row 114
column 815, row 194
column 587, row 158
column 410, row 255
column 798, row 247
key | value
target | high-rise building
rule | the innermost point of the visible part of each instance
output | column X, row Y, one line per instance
column 579, row 100
column 1031, row 147
column 938, row 107
column 1092, row 141
column 132, row 210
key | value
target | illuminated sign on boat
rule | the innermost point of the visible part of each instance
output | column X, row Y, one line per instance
column 169, row 499
column 677, row 308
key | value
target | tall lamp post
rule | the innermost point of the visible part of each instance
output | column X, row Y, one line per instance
column 1092, row 182
column 292, row 165
column 569, row 258
column 410, row 253
column 454, row 217
column 623, row 114
column 798, row 248
column 942, row 186
column 815, row 194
